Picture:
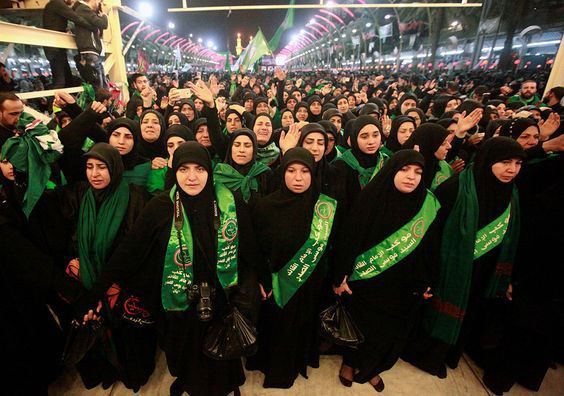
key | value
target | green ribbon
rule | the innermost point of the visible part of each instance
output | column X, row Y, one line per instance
column 287, row 281
column 178, row 272
column 397, row 246
column 234, row 180
column 364, row 175
column 97, row 230
column 444, row 172
column 267, row 155
column 138, row 175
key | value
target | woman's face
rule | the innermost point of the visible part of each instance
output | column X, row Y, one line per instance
column 415, row 116
column 407, row 104
column 198, row 104
column 404, row 131
column 443, row 149
column 262, row 107
column 451, row 105
column 343, row 105
column 393, row 103
column 507, row 170
column 122, row 139
column 242, row 150
column 192, row 178
column 315, row 108
column 150, row 128
column 315, row 144
column 337, row 121
column 352, row 101
column 297, row 177
column 202, row 136
column 188, row 111
column 173, row 120
column 233, row 122
column 97, row 173
column 7, row 169
column 287, row 119
column 408, row 178
column 369, row 139
column 291, row 103
column 302, row 114
column 529, row 137
column 263, row 130
column 172, row 144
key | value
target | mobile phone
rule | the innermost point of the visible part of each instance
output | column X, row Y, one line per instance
column 183, row 93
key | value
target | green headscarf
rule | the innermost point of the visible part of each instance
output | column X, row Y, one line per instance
column 101, row 214
column 32, row 153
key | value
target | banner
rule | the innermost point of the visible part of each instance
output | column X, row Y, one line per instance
column 256, row 49
column 142, row 64
column 288, row 23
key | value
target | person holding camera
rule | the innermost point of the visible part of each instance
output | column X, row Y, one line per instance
column 189, row 255
column 89, row 44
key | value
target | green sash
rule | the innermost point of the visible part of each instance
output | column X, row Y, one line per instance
column 492, row 235
column 138, row 175
column 397, row 246
column 444, row 172
column 364, row 175
column 156, row 180
column 461, row 244
column 268, row 154
column 287, row 281
column 178, row 273
column 234, row 180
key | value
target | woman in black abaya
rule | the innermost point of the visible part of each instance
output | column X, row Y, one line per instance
column 473, row 201
column 142, row 263
column 384, row 302
column 288, row 323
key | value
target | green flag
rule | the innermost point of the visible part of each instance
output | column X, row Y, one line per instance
column 288, row 23
column 256, row 49
column 227, row 66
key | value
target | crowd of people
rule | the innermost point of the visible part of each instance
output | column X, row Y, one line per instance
column 429, row 207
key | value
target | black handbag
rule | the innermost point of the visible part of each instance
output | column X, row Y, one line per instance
column 80, row 339
column 338, row 327
column 232, row 338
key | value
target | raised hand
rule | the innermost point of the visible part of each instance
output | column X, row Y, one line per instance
column 465, row 123
column 279, row 73
column 386, row 124
column 458, row 165
column 164, row 102
column 263, row 293
column 158, row 163
column 98, row 107
column 290, row 139
column 548, row 127
column 344, row 287
column 203, row 92
column 63, row 98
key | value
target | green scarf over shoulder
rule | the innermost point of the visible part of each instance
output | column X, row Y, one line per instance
column 444, row 319
column 98, row 229
column 364, row 174
column 234, row 180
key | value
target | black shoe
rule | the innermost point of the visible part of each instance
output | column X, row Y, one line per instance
column 379, row 387
column 345, row 382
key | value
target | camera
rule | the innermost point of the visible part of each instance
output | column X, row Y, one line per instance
column 202, row 294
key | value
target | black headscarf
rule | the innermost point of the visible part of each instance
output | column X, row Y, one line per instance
column 428, row 137
column 446, row 122
column 183, row 119
column 365, row 160
column 517, row 126
column 242, row 169
column 158, row 147
column 393, row 207
column 271, row 134
column 305, row 106
column 179, row 130
column 493, row 195
column 257, row 101
column 392, row 142
column 369, row 108
column 305, row 199
column 199, row 209
column 331, row 129
column 131, row 159
column 312, row 117
column 233, row 111
column 403, row 99
column 417, row 110
column 439, row 105
column 111, row 157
